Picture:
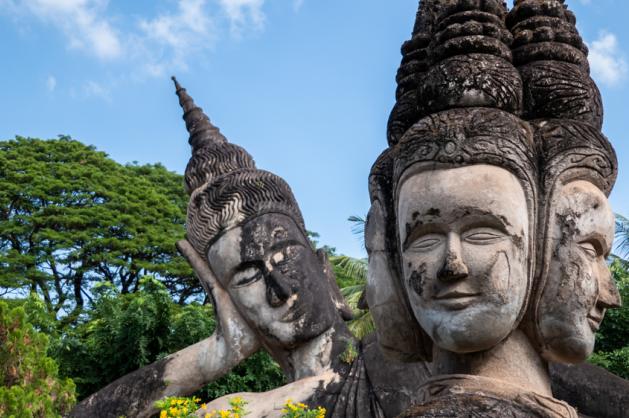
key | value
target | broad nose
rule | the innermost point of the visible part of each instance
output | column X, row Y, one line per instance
column 453, row 267
column 608, row 294
column 277, row 291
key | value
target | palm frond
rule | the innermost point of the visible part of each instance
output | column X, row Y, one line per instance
column 622, row 236
column 358, row 227
column 362, row 325
column 355, row 268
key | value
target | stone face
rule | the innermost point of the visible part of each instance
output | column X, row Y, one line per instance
column 507, row 135
column 464, row 253
column 579, row 287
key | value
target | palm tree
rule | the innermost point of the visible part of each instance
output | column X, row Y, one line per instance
column 622, row 237
column 351, row 275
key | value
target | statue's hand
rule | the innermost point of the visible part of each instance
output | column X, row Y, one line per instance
column 241, row 340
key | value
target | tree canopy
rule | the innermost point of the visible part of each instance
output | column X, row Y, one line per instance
column 71, row 217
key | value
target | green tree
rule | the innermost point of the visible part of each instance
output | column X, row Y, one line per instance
column 123, row 332
column 29, row 386
column 71, row 217
column 612, row 340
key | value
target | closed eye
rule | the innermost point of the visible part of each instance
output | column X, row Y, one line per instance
column 483, row 236
column 247, row 277
column 426, row 243
column 589, row 249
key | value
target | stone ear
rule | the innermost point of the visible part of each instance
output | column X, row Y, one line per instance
column 400, row 336
column 335, row 292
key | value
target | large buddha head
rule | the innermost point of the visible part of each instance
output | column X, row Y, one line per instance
column 246, row 223
column 459, row 199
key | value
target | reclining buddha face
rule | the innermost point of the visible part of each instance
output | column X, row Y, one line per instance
column 464, row 242
column 578, row 287
column 275, row 279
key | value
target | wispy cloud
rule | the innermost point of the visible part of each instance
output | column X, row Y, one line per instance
column 51, row 83
column 83, row 22
column 169, row 39
column 151, row 45
column 93, row 89
column 607, row 60
column 242, row 13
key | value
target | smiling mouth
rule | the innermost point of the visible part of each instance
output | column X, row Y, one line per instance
column 595, row 322
column 456, row 299
column 292, row 314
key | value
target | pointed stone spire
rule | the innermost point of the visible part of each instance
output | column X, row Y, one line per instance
column 202, row 132
column 212, row 155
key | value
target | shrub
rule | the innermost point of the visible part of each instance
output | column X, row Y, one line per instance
column 29, row 386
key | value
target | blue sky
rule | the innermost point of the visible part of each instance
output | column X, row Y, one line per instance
column 305, row 86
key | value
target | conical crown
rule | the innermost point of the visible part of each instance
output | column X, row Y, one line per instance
column 226, row 189
column 212, row 154
column 552, row 59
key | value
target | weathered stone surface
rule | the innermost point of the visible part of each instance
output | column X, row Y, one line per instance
column 524, row 281
column 592, row 390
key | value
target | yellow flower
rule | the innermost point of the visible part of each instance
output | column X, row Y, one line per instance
column 163, row 414
column 224, row 414
column 203, row 406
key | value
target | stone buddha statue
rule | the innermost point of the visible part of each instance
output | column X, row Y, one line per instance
column 247, row 242
column 472, row 242
column 573, row 283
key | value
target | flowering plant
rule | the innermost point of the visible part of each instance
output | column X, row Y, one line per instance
column 300, row 410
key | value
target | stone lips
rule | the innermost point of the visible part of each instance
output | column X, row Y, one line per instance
column 234, row 198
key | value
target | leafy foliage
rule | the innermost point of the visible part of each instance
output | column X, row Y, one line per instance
column 351, row 276
column 260, row 373
column 622, row 236
column 29, row 386
column 612, row 340
column 175, row 406
column 123, row 332
column 300, row 410
column 71, row 217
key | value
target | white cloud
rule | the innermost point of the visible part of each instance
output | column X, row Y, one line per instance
column 243, row 12
column 167, row 40
column 607, row 62
column 51, row 83
column 82, row 21
column 97, row 90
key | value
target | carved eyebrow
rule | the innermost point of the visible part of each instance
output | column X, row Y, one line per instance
column 480, row 218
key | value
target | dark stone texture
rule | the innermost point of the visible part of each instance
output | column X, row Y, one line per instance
column 126, row 396
column 593, row 391
column 473, row 405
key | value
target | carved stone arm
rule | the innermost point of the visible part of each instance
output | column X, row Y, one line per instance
column 185, row 371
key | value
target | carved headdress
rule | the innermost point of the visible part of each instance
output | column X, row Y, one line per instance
column 565, row 108
column 226, row 189
column 468, row 101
